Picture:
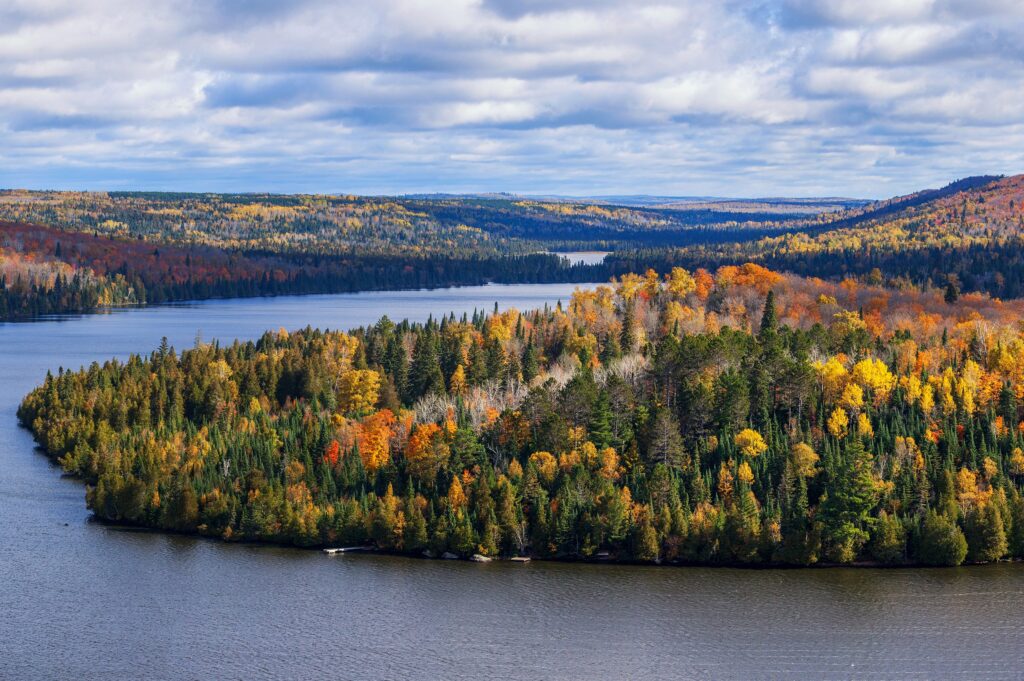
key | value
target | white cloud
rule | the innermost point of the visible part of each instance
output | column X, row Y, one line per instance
column 573, row 96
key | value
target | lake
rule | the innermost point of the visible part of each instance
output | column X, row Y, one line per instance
column 82, row 600
column 583, row 257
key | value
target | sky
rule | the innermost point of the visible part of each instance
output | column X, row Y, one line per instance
column 860, row 98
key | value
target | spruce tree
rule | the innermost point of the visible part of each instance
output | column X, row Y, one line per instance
column 985, row 533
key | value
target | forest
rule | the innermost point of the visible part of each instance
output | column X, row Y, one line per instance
column 969, row 235
column 339, row 224
column 44, row 270
column 739, row 416
column 80, row 251
column 130, row 248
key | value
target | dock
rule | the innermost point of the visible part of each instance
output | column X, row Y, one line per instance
column 520, row 559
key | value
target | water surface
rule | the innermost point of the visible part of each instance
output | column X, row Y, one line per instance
column 584, row 257
column 81, row 600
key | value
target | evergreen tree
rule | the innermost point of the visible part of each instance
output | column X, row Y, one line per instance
column 600, row 426
column 666, row 442
column 889, row 540
column 985, row 533
column 846, row 509
column 940, row 541
column 425, row 372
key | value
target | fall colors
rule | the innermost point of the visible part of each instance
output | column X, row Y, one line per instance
column 739, row 416
column 86, row 251
column 858, row 404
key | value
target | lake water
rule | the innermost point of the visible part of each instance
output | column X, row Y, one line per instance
column 583, row 257
column 80, row 600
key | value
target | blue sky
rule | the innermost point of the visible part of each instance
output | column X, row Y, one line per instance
column 866, row 98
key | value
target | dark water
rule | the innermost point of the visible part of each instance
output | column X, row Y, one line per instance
column 79, row 600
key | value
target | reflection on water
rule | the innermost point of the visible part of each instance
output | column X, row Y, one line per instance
column 83, row 600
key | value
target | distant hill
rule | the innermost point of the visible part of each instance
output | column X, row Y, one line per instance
column 774, row 205
column 968, row 234
column 126, row 247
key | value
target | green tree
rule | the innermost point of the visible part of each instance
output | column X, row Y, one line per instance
column 985, row 533
column 846, row 509
column 940, row 541
column 646, row 546
column 888, row 540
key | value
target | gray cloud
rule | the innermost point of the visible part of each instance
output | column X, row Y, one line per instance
column 865, row 97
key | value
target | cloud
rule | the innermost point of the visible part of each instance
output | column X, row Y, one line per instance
column 836, row 97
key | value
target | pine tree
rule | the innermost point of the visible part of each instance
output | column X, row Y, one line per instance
column 846, row 509
column 769, row 318
column 985, row 533
column 531, row 365
column 600, row 426
column 645, row 540
column 666, row 444
column 940, row 541
column 889, row 540
column 425, row 373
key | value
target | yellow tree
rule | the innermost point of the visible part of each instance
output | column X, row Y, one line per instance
column 864, row 428
column 681, row 282
column 457, row 383
column 358, row 391
column 874, row 375
column 547, row 465
column 456, row 495
column 853, row 397
column 750, row 442
column 838, row 423
column 804, row 459
column 833, row 376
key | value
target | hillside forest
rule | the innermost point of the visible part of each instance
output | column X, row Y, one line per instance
column 79, row 252
column 82, row 251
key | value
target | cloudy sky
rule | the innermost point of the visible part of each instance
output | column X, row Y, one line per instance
column 781, row 97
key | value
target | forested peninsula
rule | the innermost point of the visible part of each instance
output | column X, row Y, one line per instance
column 735, row 417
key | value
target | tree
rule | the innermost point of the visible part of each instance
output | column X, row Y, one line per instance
column 457, row 383
column 769, row 318
column 546, row 466
column 680, row 282
column 804, row 459
column 645, row 540
column 374, row 440
column 952, row 293
column 666, row 445
column 940, row 542
column 426, row 452
column 799, row 538
column 874, row 375
column 743, row 528
column 425, row 373
column 838, row 423
column 414, row 531
column 851, row 495
column 600, row 426
column 358, row 391
column 889, row 540
column 750, row 443
column 985, row 533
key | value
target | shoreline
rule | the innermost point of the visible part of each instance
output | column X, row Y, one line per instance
column 196, row 302
column 122, row 526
